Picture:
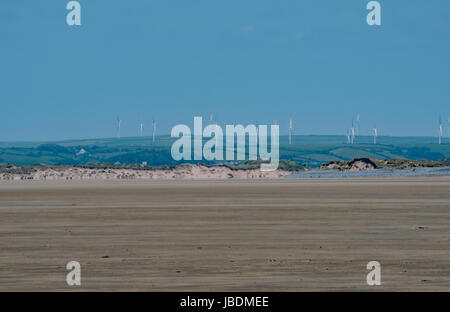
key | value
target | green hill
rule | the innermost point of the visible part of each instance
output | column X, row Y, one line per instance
column 310, row 150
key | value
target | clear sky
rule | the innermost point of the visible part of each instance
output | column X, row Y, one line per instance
column 245, row 61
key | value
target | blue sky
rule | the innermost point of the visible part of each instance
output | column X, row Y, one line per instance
column 245, row 61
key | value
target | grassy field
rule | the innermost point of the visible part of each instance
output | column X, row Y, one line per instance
column 308, row 150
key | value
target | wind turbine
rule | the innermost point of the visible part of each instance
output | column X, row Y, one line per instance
column 353, row 131
column 375, row 134
column 348, row 136
column 119, row 123
column 440, row 129
column 448, row 127
column 141, row 129
column 154, row 130
column 290, row 131
column 357, row 124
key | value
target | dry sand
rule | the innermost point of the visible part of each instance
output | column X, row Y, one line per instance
column 184, row 171
column 277, row 235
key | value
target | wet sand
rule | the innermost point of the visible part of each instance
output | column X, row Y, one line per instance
column 277, row 235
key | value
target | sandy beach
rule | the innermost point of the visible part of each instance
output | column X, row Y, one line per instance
column 226, row 235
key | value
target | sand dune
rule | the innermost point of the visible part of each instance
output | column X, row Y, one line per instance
column 186, row 171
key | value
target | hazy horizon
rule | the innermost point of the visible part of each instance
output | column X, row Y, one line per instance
column 433, row 139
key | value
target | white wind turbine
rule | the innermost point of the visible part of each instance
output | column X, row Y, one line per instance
column 154, row 130
column 375, row 134
column 141, row 129
column 352, row 132
column 357, row 124
column 440, row 130
column 119, row 124
column 448, row 127
column 291, row 129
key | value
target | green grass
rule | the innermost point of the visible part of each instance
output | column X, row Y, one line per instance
column 310, row 150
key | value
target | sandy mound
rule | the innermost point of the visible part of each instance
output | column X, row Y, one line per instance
column 185, row 171
column 358, row 164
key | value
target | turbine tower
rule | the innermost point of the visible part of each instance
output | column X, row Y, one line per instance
column 353, row 132
column 375, row 134
column 348, row 136
column 448, row 127
column 141, row 129
column 119, row 123
column 440, row 129
column 290, row 131
column 357, row 124
column 154, row 130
